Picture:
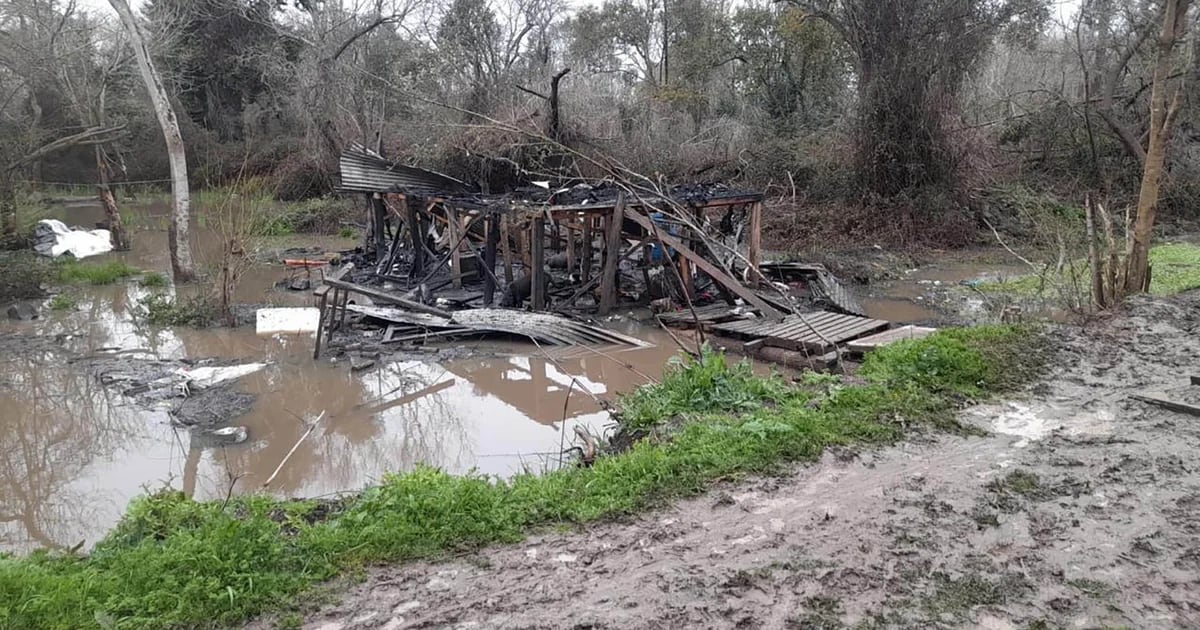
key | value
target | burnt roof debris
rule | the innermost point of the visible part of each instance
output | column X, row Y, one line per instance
column 364, row 171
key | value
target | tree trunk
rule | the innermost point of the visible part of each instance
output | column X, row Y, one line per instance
column 181, row 252
column 120, row 238
column 8, row 207
column 1165, row 101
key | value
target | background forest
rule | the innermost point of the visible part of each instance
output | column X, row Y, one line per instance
column 910, row 121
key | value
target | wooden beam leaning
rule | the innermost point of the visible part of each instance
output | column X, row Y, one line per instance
column 612, row 245
column 717, row 274
column 383, row 296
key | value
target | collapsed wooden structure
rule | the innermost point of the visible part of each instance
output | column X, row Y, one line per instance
column 559, row 249
column 443, row 260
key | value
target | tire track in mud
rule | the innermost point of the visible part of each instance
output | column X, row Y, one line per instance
column 1080, row 509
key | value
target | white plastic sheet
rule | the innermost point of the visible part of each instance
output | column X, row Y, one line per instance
column 53, row 238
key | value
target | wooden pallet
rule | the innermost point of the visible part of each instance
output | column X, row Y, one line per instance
column 878, row 340
column 817, row 333
column 708, row 315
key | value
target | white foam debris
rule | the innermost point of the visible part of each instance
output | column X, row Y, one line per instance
column 270, row 321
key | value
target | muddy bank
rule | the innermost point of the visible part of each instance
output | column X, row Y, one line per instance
column 1079, row 508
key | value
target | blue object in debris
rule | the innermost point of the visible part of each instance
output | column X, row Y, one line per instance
column 656, row 251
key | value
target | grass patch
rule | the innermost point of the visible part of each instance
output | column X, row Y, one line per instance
column 176, row 562
column 25, row 275
column 161, row 310
column 63, row 302
column 1175, row 269
column 958, row 596
column 347, row 232
column 72, row 271
column 154, row 280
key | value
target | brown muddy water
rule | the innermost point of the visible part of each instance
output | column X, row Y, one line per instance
column 74, row 453
column 921, row 294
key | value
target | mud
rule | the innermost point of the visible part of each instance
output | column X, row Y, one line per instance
column 1079, row 508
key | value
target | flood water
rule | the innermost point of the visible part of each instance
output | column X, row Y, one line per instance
column 909, row 299
column 75, row 453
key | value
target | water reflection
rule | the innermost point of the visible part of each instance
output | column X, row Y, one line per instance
column 74, row 452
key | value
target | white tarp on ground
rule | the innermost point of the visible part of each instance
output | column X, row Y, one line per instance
column 207, row 376
column 270, row 321
column 53, row 238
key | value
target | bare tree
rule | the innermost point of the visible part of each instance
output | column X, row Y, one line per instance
column 1166, row 100
column 182, row 267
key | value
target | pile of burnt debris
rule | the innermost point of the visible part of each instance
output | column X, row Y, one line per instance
column 442, row 261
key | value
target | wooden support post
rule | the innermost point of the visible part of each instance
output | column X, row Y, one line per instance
column 537, row 269
column 454, row 228
column 571, row 268
column 489, row 258
column 755, row 241
column 320, row 324
column 379, row 221
column 505, row 239
column 418, row 236
column 612, row 255
column 586, row 264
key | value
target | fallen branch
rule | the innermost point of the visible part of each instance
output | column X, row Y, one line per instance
column 294, row 447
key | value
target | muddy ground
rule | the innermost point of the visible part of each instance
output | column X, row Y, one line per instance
column 1080, row 509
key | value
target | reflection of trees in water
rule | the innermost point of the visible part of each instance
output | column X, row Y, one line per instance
column 58, row 419
column 363, row 434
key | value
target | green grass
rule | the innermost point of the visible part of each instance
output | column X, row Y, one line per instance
column 154, row 280
column 1175, row 268
column 175, row 562
column 71, row 271
column 161, row 310
column 63, row 302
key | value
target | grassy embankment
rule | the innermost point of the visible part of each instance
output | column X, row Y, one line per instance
column 175, row 562
column 1175, row 268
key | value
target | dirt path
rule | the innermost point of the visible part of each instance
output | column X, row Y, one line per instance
column 1080, row 510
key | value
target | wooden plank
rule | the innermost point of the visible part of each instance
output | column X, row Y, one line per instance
column 382, row 296
column 1168, row 404
column 878, row 340
column 537, row 270
column 612, row 245
column 717, row 274
column 755, row 240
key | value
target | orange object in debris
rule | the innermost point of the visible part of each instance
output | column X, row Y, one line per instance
column 304, row 262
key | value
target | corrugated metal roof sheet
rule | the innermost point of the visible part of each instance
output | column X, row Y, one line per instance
column 363, row 170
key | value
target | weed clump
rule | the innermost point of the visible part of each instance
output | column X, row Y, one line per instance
column 63, row 302
column 154, row 280
column 161, row 310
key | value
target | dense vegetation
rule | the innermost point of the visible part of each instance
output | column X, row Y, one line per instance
column 177, row 562
column 901, row 109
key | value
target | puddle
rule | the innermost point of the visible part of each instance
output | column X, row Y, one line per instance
column 921, row 295
column 75, row 453
column 1034, row 421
